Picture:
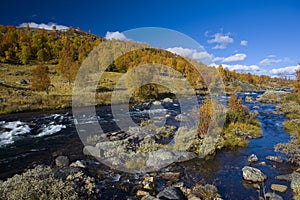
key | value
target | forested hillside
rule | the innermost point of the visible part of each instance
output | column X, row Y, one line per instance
column 38, row 68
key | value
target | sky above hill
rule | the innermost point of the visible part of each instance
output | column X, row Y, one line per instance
column 258, row 36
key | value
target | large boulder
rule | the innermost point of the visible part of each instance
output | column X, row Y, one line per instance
column 271, row 96
column 184, row 138
column 164, row 157
column 253, row 174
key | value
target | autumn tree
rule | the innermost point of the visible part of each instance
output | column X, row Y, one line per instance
column 237, row 112
column 297, row 83
column 67, row 66
column 40, row 78
column 206, row 115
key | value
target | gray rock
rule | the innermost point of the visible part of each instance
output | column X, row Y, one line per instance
column 62, row 161
column 206, row 191
column 286, row 177
column 149, row 197
column 275, row 159
column 279, row 188
column 91, row 151
column 253, row 174
column 163, row 157
column 252, row 158
column 171, row 193
column 171, row 176
column 295, row 183
column 184, row 138
column 273, row 196
column 272, row 96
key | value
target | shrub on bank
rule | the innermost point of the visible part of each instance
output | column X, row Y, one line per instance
column 44, row 182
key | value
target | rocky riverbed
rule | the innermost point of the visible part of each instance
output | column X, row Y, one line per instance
column 48, row 145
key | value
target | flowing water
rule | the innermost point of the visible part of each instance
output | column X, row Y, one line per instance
column 34, row 138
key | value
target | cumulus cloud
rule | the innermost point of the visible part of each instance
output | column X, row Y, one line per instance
column 191, row 53
column 221, row 40
column 290, row 70
column 116, row 35
column 244, row 43
column 239, row 67
column 234, row 58
column 48, row 26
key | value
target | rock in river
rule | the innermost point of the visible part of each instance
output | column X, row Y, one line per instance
column 171, row 193
column 275, row 159
column 273, row 196
column 62, row 161
column 249, row 99
column 252, row 158
column 253, row 174
column 279, row 188
column 295, row 183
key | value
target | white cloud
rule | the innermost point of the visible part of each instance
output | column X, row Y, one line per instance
column 48, row 26
column 290, row 70
column 116, row 35
column 234, row 58
column 221, row 40
column 239, row 67
column 244, row 43
column 271, row 60
column 191, row 53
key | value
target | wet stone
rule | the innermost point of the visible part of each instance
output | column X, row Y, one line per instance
column 62, row 161
column 279, row 188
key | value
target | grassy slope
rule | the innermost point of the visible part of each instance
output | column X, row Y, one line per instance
column 16, row 97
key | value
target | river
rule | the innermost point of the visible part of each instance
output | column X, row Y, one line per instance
column 37, row 138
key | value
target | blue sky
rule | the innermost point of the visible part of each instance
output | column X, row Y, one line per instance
column 257, row 36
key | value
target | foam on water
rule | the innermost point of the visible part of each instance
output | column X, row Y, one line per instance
column 11, row 131
column 50, row 130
